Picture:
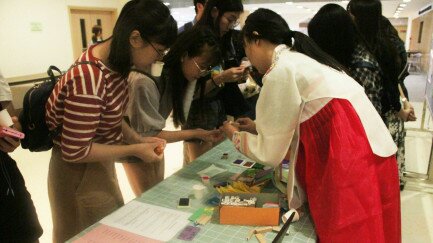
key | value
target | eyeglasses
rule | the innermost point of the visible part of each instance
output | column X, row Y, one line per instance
column 161, row 54
column 203, row 72
column 232, row 22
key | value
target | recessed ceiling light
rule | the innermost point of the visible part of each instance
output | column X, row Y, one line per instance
column 406, row 1
column 289, row 3
column 345, row 2
column 400, row 8
column 403, row 4
column 166, row 4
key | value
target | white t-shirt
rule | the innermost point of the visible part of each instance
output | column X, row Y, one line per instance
column 5, row 90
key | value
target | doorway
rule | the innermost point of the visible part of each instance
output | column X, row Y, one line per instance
column 83, row 20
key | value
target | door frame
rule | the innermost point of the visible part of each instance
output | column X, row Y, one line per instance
column 71, row 8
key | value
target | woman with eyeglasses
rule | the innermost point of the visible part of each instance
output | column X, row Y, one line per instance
column 88, row 104
column 218, row 94
column 342, row 157
column 153, row 99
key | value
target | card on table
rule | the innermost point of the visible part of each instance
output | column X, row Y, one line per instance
column 188, row 233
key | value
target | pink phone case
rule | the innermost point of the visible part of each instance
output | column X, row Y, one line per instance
column 10, row 132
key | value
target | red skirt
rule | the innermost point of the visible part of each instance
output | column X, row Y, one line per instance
column 353, row 194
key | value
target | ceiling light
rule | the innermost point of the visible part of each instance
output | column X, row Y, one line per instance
column 400, row 8
column 406, row 1
column 345, row 2
column 289, row 3
column 166, row 4
column 403, row 4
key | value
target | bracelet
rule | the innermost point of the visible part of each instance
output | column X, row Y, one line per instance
column 216, row 85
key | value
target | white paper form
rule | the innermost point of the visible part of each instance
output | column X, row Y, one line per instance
column 151, row 221
column 211, row 171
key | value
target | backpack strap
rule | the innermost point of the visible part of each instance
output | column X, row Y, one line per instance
column 364, row 64
column 85, row 62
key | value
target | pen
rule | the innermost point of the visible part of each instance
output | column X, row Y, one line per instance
column 280, row 235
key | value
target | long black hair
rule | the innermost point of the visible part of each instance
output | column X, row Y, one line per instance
column 154, row 22
column 223, row 6
column 368, row 15
column 272, row 27
column 334, row 31
column 193, row 42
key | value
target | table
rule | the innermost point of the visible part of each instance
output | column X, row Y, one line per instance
column 168, row 192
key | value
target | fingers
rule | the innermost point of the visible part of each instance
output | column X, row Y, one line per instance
column 154, row 140
column 238, row 73
column 8, row 144
column 243, row 120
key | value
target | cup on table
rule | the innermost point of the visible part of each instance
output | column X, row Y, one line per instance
column 199, row 191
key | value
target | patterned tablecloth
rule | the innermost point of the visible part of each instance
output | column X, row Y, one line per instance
column 168, row 192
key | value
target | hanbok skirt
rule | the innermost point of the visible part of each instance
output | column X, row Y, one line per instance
column 353, row 194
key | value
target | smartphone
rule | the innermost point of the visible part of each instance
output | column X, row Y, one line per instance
column 10, row 132
column 183, row 202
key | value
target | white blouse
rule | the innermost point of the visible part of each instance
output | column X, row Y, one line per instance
column 295, row 88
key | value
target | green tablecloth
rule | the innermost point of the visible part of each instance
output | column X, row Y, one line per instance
column 168, row 192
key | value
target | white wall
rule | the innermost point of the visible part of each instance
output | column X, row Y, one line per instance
column 24, row 52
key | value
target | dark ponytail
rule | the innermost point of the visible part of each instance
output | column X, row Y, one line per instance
column 268, row 25
column 154, row 22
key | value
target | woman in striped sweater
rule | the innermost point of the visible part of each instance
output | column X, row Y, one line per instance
column 88, row 103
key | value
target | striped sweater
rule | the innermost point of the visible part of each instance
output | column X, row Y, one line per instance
column 88, row 102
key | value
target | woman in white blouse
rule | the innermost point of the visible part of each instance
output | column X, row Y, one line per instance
column 342, row 158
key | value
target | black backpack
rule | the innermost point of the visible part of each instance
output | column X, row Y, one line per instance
column 32, row 118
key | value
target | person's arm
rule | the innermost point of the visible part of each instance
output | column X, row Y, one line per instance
column 132, row 137
column 7, row 144
column 407, row 107
column 277, row 111
column 175, row 136
column 230, row 75
column 102, row 152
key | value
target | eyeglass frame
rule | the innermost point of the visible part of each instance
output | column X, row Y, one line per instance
column 203, row 72
column 232, row 23
column 160, row 54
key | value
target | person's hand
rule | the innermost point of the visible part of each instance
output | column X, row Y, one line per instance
column 17, row 124
column 408, row 106
column 228, row 128
column 232, row 75
column 151, row 152
column 246, row 124
column 403, row 114
column 8, row 144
